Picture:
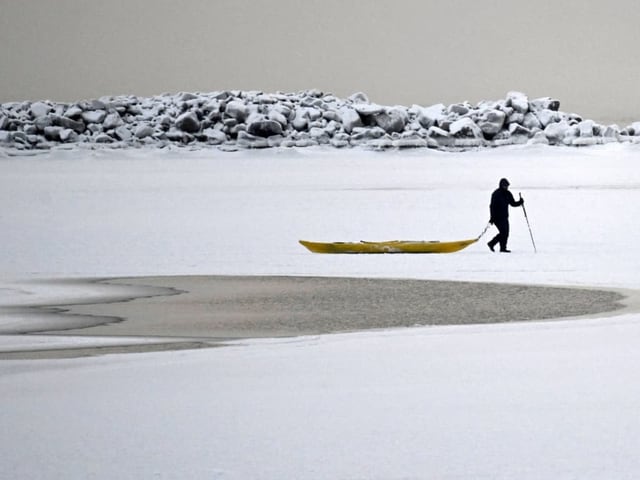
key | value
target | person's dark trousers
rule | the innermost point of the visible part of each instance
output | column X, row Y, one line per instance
column 502, row 236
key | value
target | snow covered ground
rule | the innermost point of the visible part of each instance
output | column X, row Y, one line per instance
column 532, row 400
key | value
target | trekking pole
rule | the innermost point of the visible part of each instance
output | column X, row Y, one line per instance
column 529, row 226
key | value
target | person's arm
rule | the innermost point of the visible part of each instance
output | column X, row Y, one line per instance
column 513, row 202
column 491, row 210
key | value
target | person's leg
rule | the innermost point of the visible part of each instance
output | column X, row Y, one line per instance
column 503, row 228
column 494, row 241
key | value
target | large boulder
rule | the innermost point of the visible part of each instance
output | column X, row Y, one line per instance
column 40, row 109
column 123, row 133
column 465, row 127
column 277, row 116
column 77, row 126
column 94, row 116
column 545, row 103
column 300, row 121
column 555, row 132
column 214, row 136
column 430, row 116
column 112, row 120
column 359, row 97
column 312, row 114
column 52, row 133
column 516, row 117
column 320, row 135
column 164, row 122
column 368, row 108
column 459, row 108
column 238, row 110
column 42, row 122
column 68, row 135
column 539, row 138
column 350, row 119
column 360, row 135
column 409, row 140
column 586, row 128
column 518, row 101
column 103, row 138
column 531, row 121
column 331, row 115
column 74, row 111
column 439, row 137
column 391, row 121
column 547, row 116
column 517, row 130
column 491, row 122
column 143, row 131
column 264, row 128
column 96, row 104
column 340, row 140
column 247, row 140
column 188, row 122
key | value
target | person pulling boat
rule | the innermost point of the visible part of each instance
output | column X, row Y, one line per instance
column 501, row 198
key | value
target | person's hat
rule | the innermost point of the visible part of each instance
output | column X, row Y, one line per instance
column 504, row 183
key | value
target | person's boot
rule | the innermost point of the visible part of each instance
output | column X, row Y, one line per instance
column 491, row 246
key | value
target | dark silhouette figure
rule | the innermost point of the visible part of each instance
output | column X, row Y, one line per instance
column 501, row 198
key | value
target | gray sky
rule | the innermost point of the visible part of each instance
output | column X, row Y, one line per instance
column 398, row 52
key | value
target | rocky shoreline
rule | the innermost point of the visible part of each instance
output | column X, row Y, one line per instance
column 231, row 120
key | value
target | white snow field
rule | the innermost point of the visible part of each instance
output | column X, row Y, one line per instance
column 553, row 399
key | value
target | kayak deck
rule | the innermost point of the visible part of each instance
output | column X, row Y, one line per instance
column 392, row 246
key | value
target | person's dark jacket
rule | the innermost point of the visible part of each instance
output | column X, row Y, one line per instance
column 500, row 201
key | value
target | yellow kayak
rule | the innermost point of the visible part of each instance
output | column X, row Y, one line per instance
column 393, row 246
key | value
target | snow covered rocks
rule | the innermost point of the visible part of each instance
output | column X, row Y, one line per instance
column 253, row 119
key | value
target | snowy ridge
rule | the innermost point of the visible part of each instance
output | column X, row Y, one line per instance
column 252, row 119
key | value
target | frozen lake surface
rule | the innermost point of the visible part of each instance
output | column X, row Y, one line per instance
column 526, row 400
